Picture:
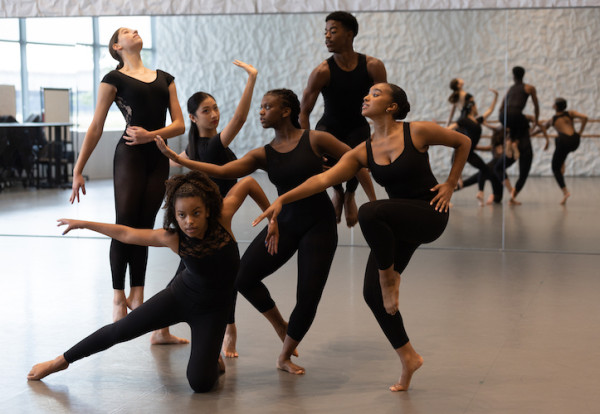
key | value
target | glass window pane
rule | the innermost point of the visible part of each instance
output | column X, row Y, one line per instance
column 9, row 29
column 83, row 97
column 49, row 67
column 10, row 70
column 108, row 25
column 60, row 30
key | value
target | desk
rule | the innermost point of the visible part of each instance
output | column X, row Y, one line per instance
column 58, row 139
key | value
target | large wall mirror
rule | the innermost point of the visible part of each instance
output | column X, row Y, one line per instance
column 422, row 51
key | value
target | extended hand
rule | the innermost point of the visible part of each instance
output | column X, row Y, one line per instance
column 78, row 182
column 248, row 68
column 162, row 146
column 70, row 223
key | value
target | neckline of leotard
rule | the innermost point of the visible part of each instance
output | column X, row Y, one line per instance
column 358, row 63
column 407, row 143
column 293, row 149
column 141, row 81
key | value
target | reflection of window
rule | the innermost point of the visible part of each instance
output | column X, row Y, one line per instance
column 9, row 29
column 10, row 73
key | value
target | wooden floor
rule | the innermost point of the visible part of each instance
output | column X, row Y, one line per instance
column 505, row 318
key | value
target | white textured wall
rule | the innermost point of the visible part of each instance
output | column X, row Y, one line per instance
column 422, row 51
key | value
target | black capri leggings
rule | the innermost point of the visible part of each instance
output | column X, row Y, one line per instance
column 139, row 172
column 311, row 230
column 394, row 229
column 164, row 309
column 563, row 145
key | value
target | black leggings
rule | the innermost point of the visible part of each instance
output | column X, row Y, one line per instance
column 164, row 309
column 525, row 161
column 486, row 173
column 312, row 232
column 563, row 145
column 394, row 229
column 478, row 178
column 139, row 173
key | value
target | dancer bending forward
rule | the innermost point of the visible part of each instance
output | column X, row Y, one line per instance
column 415, row 213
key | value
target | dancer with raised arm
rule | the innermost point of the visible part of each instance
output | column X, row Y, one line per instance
column 415, row 213
column 456, row 98
column 309, row 225
column 343, row 79
column 139, row 173
column 567, row 140
column 207, row 145
column 197, row 226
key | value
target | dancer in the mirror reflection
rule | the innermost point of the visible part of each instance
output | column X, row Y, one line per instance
column 139, row 173
column 343, row 80
column 567, row 140
column 207, row 145
column 415, row 213
column 307, row 227
column 456, row 98
column 197, row 226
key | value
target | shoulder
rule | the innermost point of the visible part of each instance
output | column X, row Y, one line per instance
column 322, row 71
column 376, row 69
column 114, row 77
column 374, row 62
column 165, row 75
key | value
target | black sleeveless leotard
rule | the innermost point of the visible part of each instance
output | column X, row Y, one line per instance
column 563, row 145
column 306, row 226
column 139, row 171
column 201, row 296
column 211, row 150
column 394, row 228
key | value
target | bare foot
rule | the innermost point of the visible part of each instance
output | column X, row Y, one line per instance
column 490, row 200
column 566, row 195
column 514, row 202
column 408, row 369
column 389, row 280
column 351, row 209
column 44, row 369
column 229, row 341
column 338, row 203
column 288, row 366
column 479, row 197
column 165, row 337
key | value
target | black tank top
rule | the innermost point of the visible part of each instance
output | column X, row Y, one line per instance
column 211, row 150
column 408, row 176
column 344, row 94
column 516, row 98
column 211, row 264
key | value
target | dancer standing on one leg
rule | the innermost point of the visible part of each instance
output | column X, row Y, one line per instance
column 205, row 144
column 512, row 117
column 343, row 79
column 310, row 228
column 567, row 140
column 469, row 124
column 143, row 96
column 415, row 213
column 197, row 226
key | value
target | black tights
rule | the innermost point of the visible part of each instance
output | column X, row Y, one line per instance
column 140, row 172
column 563, row 145
column 164, row 309
column 525, row 161
column 313, row 235
column 486, row 173
column 394, row 229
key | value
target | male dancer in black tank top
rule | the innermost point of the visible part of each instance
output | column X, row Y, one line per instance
column 512, row 117
column 343, row 79
column 567, row 140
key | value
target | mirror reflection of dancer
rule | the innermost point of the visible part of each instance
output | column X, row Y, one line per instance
column 512, row 117
column 307, row 227
column 457, row 97
column 139, row 173
column 415, row 213
column 207, row 145
column 197, row 226
column 343, row 79
column 567, row 140
column 469, row 124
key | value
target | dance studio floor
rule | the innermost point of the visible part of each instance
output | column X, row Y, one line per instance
column 507, row 320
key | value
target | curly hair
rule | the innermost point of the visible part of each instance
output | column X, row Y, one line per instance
column 192, row 184
column 288, row 100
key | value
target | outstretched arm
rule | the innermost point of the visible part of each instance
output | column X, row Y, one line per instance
column 241, row 112
column 234, row 169
column 489, row 111
column 125, row 234
column 580, row 116
column 342, row 171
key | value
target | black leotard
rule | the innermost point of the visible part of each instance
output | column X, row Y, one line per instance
column 307, row 226
column 139, row 171
column 342, row 99
column 211, row 150
column 394, row 228
column 563, row 144
column 200, row 296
